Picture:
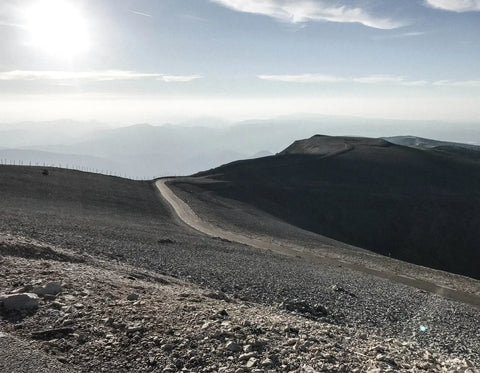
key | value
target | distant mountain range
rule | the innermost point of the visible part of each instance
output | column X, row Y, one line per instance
column 146, row 151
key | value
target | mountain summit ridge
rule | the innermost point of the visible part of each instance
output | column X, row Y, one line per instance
column 330, row 145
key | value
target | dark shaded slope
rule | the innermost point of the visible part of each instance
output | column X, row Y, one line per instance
column 467, row 154
column 454, row 149
column 415, row 205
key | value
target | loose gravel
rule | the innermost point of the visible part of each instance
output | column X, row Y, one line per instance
column 106, row 317
column 143, row 233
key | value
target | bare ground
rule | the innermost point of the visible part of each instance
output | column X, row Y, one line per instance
column 126, row 224
column 172, row 325
column 216, row 216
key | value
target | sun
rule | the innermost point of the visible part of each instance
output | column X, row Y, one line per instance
column 57, row 27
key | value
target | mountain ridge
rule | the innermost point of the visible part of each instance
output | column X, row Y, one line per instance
column 421, row 206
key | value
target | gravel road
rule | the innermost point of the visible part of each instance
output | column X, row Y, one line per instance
column 287, row 247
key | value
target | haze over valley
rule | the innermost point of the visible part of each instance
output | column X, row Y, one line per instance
column 147, row 151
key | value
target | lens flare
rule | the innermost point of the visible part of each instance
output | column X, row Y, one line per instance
column 57, row 27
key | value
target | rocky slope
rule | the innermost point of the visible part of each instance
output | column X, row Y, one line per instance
column 108, row 235
column 110, row 317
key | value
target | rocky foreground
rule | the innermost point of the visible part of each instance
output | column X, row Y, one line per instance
column 68, row 312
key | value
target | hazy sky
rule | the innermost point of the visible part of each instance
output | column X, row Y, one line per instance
column 158, row 60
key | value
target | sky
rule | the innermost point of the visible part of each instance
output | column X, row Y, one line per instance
column 131, row 61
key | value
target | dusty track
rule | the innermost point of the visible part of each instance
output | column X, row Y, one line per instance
column 189, row 217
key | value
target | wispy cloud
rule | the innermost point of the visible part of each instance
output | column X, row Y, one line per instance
column 319, row 78
column 107, row 75
column 302, row 78
column 140, row 13
column 178, row 78
column 401, row 35
column 389, row 79
column 298, row 11
column 413, row 33
column 455, row 5
column 457, row 83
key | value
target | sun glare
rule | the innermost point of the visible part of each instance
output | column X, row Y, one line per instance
column 57, row 27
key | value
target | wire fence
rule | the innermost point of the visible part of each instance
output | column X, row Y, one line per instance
column 125, row 175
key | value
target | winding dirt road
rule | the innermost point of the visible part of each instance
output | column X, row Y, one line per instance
column 190, row 218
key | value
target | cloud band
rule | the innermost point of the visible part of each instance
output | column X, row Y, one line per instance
column 107, row 75
column 298, row 11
